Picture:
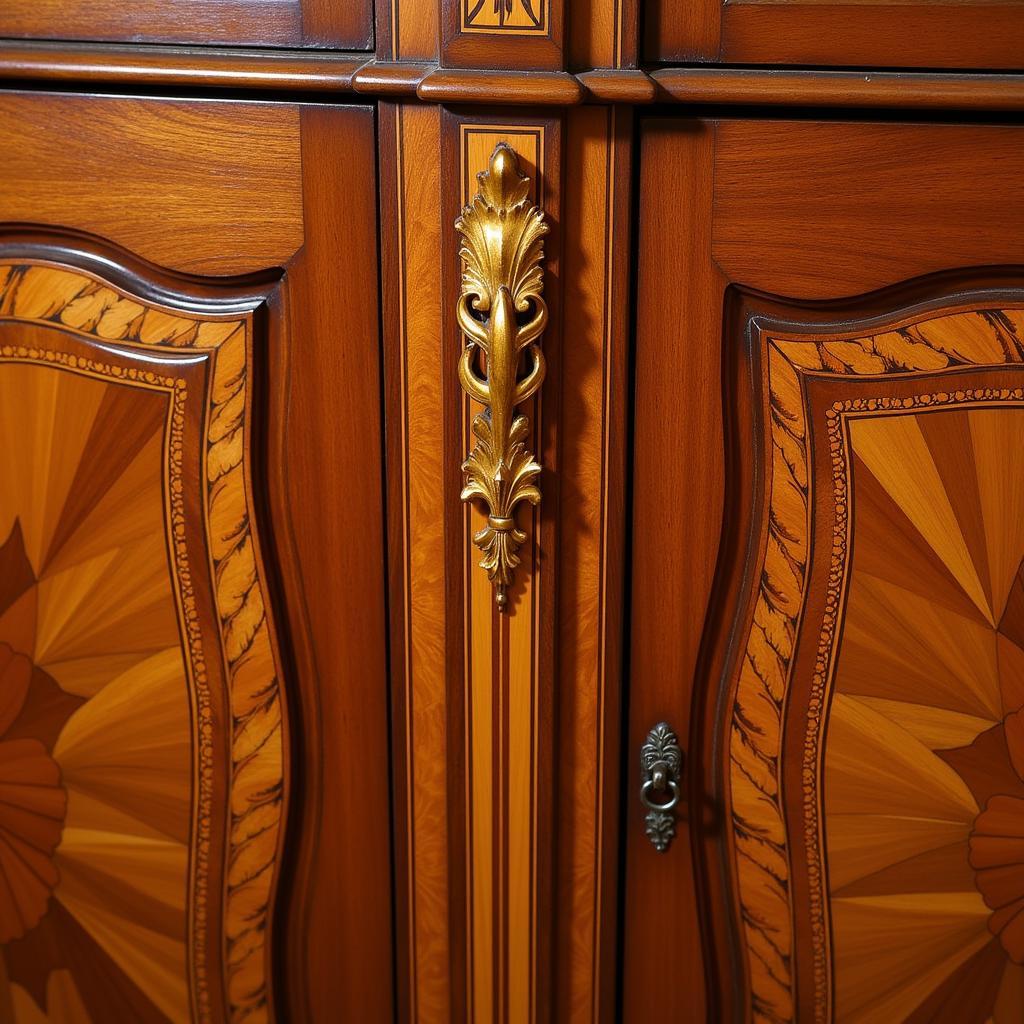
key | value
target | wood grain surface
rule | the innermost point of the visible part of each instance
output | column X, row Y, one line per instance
column 509, row 695
column 813, row 193
column 427, row 659
column 188, row 191
column 672, row 572
column 345, row 26
column 513, row 34
column 921, row 34
column 317, row 339
column 814, row 211
column 903, row 807
column 591, row 562
column 324, row 452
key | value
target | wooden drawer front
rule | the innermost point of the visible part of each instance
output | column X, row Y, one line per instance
column 918, row 33
column 175, row 659
column 282, row 23
column 852, row 695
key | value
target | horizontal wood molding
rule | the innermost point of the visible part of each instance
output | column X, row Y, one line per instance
column 548, row 88
column 612, row 86
column 351, row 73
column 390, row 78
column 906, row 90
column 178, row 65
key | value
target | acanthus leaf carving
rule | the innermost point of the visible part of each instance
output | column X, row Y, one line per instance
column 502, row 251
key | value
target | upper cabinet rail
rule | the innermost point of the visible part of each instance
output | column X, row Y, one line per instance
column 341, row 73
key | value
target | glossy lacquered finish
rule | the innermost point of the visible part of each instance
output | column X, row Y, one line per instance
column 738, row 245
column 507, row 908
column 313, row 71
column 916, row 34
column 158, row 395
column 273, row 23
column 782, row 249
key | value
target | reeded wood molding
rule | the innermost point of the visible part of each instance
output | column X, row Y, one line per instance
column 337, row 72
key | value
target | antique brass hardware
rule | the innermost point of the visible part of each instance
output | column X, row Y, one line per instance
column 661, row 767
column 502, row 313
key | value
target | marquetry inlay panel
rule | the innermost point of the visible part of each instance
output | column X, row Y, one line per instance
column 876, row 771
column 141, row 730
column 507, row 17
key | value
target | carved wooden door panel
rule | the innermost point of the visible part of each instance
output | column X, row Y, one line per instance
column 852, row 842
column 175, row 674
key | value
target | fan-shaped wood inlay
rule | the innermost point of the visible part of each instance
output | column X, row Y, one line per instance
column 903, row 615
column 132, row 610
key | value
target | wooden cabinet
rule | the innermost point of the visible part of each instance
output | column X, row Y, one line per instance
column 509, row 512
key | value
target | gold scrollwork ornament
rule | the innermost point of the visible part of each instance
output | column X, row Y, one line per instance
column 502, row 313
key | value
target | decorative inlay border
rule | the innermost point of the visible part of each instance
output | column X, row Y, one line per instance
column 505, row 727
column 35, row 292
column 918, row 344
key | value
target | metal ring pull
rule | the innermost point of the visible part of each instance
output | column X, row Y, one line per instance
column 645, row 790
column 661, row 765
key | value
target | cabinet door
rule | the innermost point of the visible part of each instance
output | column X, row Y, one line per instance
column 192, row 716
column 279, row 23
column 866, row 33
column 828, row 586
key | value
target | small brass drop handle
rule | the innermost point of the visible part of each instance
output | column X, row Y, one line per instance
column 661, row 766
column 645, row 795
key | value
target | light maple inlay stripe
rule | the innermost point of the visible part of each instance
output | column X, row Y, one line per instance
column 424, row 563
column 502, row 703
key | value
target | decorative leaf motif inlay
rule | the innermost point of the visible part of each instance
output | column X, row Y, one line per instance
column 504, row 14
